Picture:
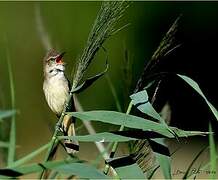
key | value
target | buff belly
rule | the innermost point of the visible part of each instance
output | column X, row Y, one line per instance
column 56, row 92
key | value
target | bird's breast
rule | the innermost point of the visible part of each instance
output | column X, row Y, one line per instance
column 56, row 91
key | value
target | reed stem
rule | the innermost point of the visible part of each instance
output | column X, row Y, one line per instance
column 54, row 140
column 115, row 145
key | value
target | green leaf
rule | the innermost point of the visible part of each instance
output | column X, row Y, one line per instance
column 131, row 121
column 28, row 169
column 29, row 156
column 81, row 170
column 213, row 155
column 150, row 173
column 89, row 81
column 32, row 168
column 4, row 144
column 114, row 93
column 12, row 138
column 99, row 137
column 196, row 87
column 64, row 166
column 165, row 165
column 7, row 113
column 140, row 100
column 130, row 172
column 164, row 161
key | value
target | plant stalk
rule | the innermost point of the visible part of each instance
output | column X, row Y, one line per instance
column 115, row 145
column 54, row 140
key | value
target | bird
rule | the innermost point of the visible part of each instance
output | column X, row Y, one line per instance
column 56, row 87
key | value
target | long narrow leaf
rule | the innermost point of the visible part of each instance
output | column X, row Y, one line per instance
column 12, row 147
column 164, row 161
column 196, row 87
column 123, row 136
column 64, row 167
column 29, row 156
column 89, row 81
column 114, row 93
column 131, row 121
column 81, row 170
column 4, row 144
column 213, row 154
column 165, row 165
column 99, row 137
column 130, row 172
column 7, row 113
column 152, row 171
column 32, row 168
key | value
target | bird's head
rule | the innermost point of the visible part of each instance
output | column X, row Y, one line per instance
column 53, row 63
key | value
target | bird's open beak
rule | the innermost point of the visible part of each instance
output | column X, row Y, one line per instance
column 59, row 59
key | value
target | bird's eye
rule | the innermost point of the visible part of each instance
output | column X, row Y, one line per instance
column 52, row 59
column 51, row 71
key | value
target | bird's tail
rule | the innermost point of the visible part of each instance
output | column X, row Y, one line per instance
column 72, row 146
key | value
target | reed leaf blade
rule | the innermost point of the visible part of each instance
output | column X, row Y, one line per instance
column 213, row 154
column 6, row 113
column 196, row 87
column 131, row 121
column 12, row 138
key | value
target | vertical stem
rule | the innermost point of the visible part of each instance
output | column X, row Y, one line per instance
column 113, row 91
column 115, row 145
column 54, row 140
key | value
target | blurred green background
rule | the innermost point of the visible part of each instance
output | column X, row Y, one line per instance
column 68, row 25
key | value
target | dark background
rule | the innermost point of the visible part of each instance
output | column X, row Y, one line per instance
column 196, row 58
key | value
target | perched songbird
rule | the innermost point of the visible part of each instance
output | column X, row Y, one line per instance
column 56, row 88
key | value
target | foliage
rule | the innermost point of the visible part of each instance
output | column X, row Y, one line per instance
column 6, row 113
column 153, row 129
column 12, row 141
